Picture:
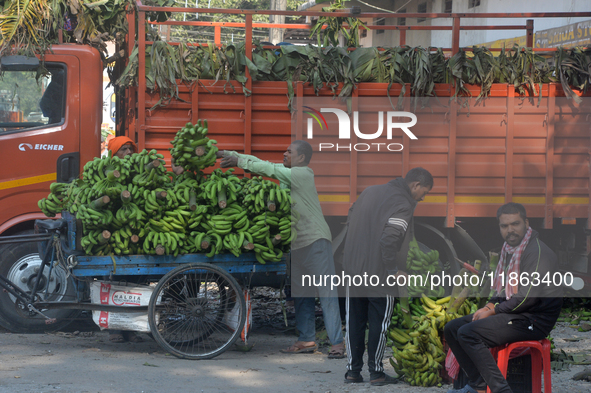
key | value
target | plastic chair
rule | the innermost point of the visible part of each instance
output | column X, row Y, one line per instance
column 540, row 360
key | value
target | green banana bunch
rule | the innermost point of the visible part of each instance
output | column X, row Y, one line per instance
column 105, row 175
column 93, row 218
column 129, row 211
column 51, row 205
column 148, row 170
column 187, row 192
column 80, row 195
column 155, row 201
column 192, row 149
column 160, row 239
column 419, row 263
column 96, row 242
column 59, row 198
column 260, row 194
column 221, row 188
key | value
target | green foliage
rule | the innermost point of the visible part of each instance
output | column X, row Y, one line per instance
column 24, row 91
column 340, row 69
column 335, row 26
column 228, row 34
column 31, row 26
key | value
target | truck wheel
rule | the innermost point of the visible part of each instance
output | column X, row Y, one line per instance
column 19, row 263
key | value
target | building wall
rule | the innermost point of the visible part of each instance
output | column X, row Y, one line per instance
column 439, row 38
column 392, row 37
column 469, row 38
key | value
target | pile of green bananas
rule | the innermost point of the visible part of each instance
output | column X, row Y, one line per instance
column 417, row 262
column 192, row 149
column 417, row 349
column 148, row 210
column 419, row 354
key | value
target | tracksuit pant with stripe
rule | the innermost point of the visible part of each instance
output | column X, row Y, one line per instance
column 361, row 312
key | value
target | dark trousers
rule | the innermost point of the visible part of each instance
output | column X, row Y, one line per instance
column 361, row 312
column 470, row 343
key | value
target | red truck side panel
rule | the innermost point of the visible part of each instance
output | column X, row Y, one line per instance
column 509, row 149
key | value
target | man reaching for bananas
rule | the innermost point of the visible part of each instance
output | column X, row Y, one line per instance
column 311, row 251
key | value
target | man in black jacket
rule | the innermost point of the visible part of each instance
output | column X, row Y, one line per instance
column 378, row 236
column 524, row 306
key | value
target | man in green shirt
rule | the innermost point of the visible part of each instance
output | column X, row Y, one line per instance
column 311, row 251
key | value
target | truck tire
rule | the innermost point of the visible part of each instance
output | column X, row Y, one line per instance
column 19, row 263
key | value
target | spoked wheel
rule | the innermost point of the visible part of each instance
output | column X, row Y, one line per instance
column 197, row 311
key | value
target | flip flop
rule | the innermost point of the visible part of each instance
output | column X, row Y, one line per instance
column 350, row 379
column 299, row 348
column 385, row 380
column 337, row 351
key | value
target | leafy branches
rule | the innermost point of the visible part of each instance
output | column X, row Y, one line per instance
column 23, row 25
column 336, row 26
column 574, row 69
column 31, row 26
column 340, row 69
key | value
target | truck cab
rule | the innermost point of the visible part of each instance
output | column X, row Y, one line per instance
column 50, row 112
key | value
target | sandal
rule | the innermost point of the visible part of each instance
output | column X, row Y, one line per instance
column 299, row 347
column 337, row 351
column 353, row 379
column 385, row 380
column 116, row 338
column 133, row 337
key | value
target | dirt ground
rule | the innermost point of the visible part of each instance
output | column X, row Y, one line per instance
column 83, row 360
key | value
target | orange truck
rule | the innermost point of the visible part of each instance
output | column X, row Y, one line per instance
column 481, row 156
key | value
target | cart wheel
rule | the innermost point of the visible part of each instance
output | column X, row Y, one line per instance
column 197, row 311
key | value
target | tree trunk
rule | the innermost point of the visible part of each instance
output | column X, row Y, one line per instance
column 276, row 35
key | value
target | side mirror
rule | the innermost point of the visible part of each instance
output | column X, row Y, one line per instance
column 19, row 63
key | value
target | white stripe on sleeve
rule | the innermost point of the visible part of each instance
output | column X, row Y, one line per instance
column 398, row 221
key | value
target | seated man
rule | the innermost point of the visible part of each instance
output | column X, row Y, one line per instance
column 516, row 312
column 52, row 101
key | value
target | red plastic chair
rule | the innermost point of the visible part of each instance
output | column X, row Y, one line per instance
column 540, row 361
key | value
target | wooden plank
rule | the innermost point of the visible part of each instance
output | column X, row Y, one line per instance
column 195, row 104
column 455, row 36
column 450, row 216
column 141, row 99
column 550, row 121
column 529, row 35
column 354, row 181
column 405, row 138
column 510, row 124
column 248, row 99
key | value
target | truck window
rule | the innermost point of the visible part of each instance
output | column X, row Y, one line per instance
column 27, row 102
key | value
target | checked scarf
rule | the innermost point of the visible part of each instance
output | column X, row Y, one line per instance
column 510, row 290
